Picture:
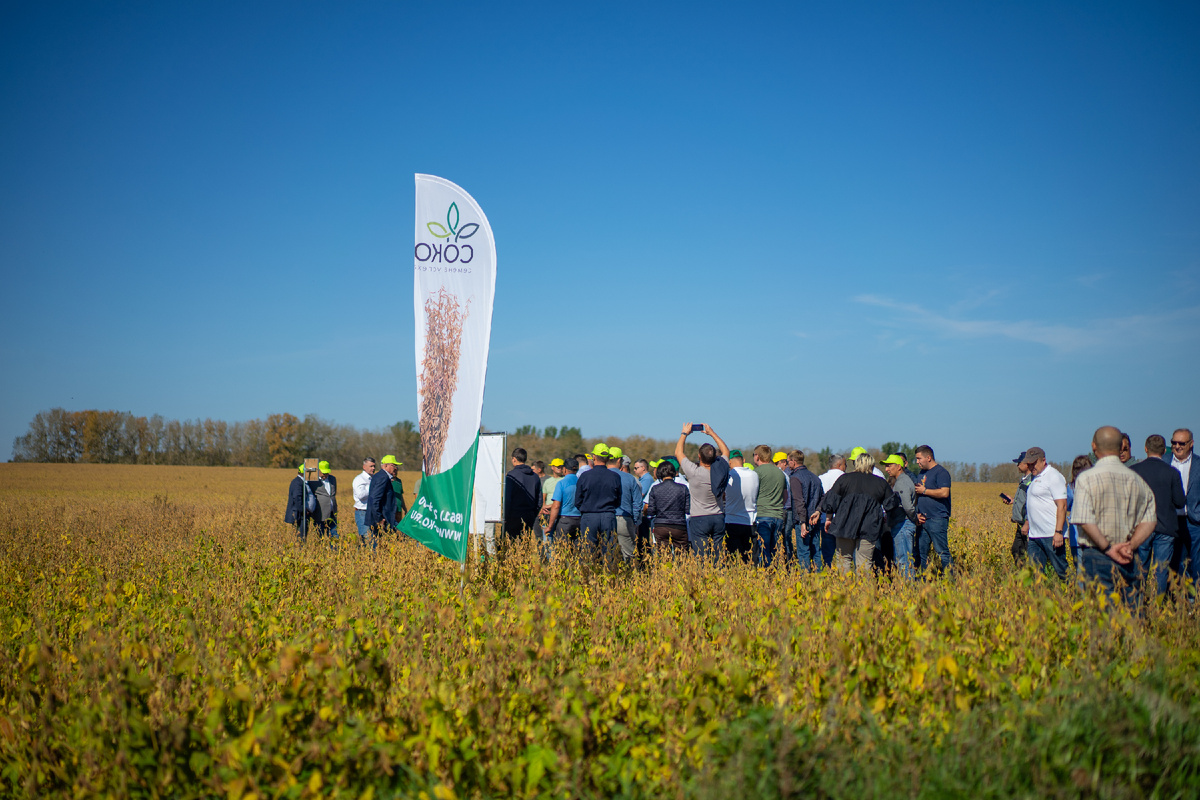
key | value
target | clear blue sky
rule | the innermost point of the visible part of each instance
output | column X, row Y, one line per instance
column 975, row 225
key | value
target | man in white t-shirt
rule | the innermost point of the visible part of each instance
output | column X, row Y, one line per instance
column 1046, row 513
column 741, row 497
column 361, row 487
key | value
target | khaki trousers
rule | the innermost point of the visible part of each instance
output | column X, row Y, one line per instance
column 853, row 553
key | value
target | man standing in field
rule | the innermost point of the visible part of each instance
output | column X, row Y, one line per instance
column 641, row 471
column 772, row 491
column 902, row 518
column 302, row 509
column 522, row 496
column 806, row 494
column 707, row 482
column 381, row 498
column 1046, row 513
column 564, row 514
column 1187, row 538
column 837, row 468
column 741, row 504
column 326, row 491
column 1020, row 545
column 598, row 496
column 1115, row 512
column 933, row 508
column 361, row 488
column 629, row 512
column 1169, row 499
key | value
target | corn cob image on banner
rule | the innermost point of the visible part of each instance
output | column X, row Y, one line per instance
column 454, row 281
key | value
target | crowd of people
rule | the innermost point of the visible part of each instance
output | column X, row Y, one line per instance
column 1126, row 522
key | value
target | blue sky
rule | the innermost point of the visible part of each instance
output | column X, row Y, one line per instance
column 971, row 225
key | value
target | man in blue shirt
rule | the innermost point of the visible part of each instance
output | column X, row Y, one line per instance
column 933, row 508
column 564, row 514
column 598, row 496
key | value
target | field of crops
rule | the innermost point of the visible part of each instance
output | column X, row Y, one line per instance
column 161, row 634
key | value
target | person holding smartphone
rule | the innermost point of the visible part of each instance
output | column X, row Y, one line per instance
column 706, row 483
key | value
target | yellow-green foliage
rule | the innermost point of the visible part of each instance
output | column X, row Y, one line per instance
column 162, row 633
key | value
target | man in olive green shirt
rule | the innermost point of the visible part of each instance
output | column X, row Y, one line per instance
column 772, row 490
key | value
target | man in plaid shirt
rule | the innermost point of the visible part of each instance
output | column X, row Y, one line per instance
column 1115, row 511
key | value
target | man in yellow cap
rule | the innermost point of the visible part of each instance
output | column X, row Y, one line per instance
column 598, row 496
column 556, row 473
column 381, row 498
column 302, row 510
column 325, row 489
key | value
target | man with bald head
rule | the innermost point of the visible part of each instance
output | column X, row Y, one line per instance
column 1115, row 512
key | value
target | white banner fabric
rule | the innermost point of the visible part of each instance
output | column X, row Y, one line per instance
column 454, row 282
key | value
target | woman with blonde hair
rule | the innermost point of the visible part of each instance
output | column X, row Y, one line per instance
column 855, row 508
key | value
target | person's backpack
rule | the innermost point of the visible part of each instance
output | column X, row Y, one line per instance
column 1018, row 505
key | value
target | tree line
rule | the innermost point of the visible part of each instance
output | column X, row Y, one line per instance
column 280, row 440
column 283, row 440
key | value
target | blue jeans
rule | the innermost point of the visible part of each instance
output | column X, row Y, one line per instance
column 828, row 543
column 766, row 530
column 1157, row 551
column 1043, row 554
column 1191, row 552
column 785, row 534
column 903, row 534
column 1114, row 577
column 808, row 548
column 598, row 529
column 934, row 533
column 707, row 535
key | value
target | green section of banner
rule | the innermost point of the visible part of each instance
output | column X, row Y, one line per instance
column 441, row 515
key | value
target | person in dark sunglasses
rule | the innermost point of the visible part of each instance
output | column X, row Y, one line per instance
column 1186, row 558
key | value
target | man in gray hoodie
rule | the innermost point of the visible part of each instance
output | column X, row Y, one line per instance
column 903, row 518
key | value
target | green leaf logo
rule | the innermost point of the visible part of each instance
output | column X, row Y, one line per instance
column 451, row 228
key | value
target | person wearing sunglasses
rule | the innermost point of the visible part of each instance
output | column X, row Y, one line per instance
column 1187, row 542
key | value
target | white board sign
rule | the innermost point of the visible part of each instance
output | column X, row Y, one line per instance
column 487, row 503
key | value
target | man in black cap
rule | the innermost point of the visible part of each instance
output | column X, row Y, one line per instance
column 1020, row 545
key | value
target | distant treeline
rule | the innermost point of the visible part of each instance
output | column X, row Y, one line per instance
column 283, row 440
column 280, row 440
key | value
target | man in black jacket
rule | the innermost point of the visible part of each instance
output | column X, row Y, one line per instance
column 1167, row 485
column 302, row 510
column 522, row 496
column 381, row 497
column 597, row 496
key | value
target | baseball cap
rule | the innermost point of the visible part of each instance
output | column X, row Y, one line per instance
column 1032, row 455
column 556, row 462
column 903, row 458
column 301, row 469
column 615, row 452
column 855, row 453
column 779, row 456
column 656, row 463
column 894, row 458
column 324, row 467
column 626, row 460
column 390, row 459
column 736, row 454
column 601, row 449
column 1019, row 458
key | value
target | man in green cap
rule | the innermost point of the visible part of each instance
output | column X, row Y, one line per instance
column 381, row 497
column 325, row 488
column 302, row 510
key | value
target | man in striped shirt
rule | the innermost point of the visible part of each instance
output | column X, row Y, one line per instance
column 1115, row 511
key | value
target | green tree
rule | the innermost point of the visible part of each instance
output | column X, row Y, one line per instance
column 283, row 440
